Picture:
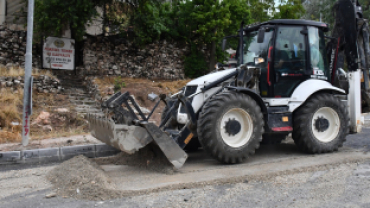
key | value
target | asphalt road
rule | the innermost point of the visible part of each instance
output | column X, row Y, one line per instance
column 345, row 185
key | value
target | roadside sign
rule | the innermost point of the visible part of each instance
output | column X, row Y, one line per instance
column 59, row 53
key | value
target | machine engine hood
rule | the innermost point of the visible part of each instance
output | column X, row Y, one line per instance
column 200, row 81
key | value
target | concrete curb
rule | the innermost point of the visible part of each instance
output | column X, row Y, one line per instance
column 57, row 154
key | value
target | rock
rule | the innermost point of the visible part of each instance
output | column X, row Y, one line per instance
column 62, row 111
column 45, row 122
column 54, row 90
column 9, row 84
column 59, row 89
column 46, row 91
column 3, row 34
column 16, row 83
column 110, row 91
column 3, row 84
column 9, row 66
column 42, row 118
column 50, row 195
column 47, row 128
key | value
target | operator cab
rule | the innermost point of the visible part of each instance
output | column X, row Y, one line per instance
column 289, row 53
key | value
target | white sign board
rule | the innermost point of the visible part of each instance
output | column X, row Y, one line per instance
column 59, row 53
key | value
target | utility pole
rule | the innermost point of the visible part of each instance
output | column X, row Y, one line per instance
column 27, row 95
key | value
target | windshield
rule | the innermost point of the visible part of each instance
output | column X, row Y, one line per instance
column 253, row 49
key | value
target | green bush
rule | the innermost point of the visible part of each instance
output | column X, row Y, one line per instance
column 195, row 64
column 118, row 84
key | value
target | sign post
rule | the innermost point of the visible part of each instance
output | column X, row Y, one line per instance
column 27, row 96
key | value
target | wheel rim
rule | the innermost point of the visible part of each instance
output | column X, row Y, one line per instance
column 330, row 132
column 245, row 131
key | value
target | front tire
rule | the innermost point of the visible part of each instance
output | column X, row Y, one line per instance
column 230, row 127
column 321, row 124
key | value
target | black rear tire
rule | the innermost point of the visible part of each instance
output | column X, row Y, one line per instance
column 311, row 133
column 211, row 130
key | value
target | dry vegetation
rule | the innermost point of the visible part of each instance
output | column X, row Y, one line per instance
column 10, row 105
column 11, row 111
column 166, row 85
column 14, row 72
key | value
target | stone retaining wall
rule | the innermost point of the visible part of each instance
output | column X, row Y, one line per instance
column 159, row 60
column 41, row 83
column 13, row 46
column 103, row 56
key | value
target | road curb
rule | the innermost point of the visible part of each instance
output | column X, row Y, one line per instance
column 57, row 154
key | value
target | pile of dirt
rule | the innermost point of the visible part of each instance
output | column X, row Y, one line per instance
column 150, row 157
column 82, row 178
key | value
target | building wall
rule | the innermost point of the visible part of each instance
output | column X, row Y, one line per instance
column 14, row 9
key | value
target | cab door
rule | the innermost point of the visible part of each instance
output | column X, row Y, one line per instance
column 290, row 60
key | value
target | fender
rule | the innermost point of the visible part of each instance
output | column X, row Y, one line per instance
column 308, row 88
column 253, row 94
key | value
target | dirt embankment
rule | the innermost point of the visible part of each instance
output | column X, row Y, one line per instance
column 53, row 116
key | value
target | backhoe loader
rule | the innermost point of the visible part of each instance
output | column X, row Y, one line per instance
column 289, row 78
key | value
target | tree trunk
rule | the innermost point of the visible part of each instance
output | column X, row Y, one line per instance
column 212, row 56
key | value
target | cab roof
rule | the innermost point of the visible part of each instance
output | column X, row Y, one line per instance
column 322, row 25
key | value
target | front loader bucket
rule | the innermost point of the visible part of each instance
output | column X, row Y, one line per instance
column 132, row 138
column 129, row 139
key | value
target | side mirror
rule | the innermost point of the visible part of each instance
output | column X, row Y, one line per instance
column 261, row 35
column 224, row 41
column 258, row 60
column 218, row 66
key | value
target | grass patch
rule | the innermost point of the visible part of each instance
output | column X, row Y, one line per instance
column 10, row 104
column 14, row 72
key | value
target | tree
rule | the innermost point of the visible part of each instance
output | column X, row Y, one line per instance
column 205, row 22
column 150, row 21
column 52, row 17
column 260, row 8
column 290, row 9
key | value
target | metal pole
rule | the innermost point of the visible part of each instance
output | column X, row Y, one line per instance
column 27, row 96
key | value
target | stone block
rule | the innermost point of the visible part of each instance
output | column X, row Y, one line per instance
column 69, row 152
column 103, row 150
column 10, row 157
column 49, row 155
column 30, row 156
